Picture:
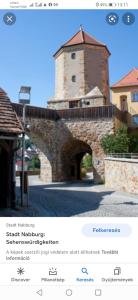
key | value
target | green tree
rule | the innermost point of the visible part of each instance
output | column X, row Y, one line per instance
column 35, row 163
column 133, row 144
column 116, row 143
column 87, row 161
column 28, row 143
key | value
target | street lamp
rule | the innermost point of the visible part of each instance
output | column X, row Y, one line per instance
column 24, row 99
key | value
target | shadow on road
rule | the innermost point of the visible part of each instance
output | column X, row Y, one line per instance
column 59, row 200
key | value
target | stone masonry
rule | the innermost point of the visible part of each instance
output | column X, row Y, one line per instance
column 122, row 174
column 90, row 68
column 63, row 143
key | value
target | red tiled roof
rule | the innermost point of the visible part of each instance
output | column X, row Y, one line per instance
column 131, row 79
column 81, row 37
column 9, row 122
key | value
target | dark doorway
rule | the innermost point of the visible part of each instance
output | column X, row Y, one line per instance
column 4, row 178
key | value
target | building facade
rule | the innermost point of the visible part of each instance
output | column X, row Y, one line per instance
column 125, row 96
column 10, row 129
column 81, row 73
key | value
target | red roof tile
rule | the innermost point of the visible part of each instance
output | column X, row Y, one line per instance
column 131, row 79
column 81, row 37
column 9, row 122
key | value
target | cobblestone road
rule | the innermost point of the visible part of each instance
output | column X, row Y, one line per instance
column 81, row 199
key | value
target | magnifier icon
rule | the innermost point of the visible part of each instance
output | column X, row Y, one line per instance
column 84, row 271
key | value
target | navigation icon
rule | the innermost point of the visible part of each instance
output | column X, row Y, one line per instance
column 112, row 18
column 9, row 18
column 52, row 271
column 20, row 271
column 128, row 18
column 84, row 271
column 69, row 292
column 98, row 292
column 117, row 271
column 40, row 292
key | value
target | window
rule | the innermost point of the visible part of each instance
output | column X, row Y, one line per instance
column 74, row 104
column 73, row 78
column 73, row 55
column 135, row 120
column 135, row 97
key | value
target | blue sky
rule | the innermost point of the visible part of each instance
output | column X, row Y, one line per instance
column 27, row 48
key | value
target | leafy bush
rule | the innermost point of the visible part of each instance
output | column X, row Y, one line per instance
column 87, row 161
column 133, row 144
column 83, row 172
column 34, row 163
column 116, row 143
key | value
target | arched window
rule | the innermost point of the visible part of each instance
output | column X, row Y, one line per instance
column 73, row 55
column 73, row 78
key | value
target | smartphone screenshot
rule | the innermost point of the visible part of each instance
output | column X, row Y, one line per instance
column 68, row 150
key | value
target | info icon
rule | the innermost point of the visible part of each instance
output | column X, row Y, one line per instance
column 9, row 18
column 112, row 18
column 128, row 18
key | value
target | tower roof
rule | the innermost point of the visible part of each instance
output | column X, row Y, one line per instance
column 131, row 79
column 9, row 122
column 81, row 37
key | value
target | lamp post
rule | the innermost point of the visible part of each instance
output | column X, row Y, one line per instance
column 24, row 99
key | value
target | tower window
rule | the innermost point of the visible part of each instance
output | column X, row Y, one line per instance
column 73, row 78
column 73, row 55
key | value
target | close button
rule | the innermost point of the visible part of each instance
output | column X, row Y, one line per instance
column 9, row 18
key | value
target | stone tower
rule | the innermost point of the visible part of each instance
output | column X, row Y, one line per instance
column 81, row 73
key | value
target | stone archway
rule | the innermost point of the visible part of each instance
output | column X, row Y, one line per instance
column 71, row 155
column 62, row 141
column 44, row 155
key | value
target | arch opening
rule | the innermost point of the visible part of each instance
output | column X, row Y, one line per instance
column 42, row 161
column 32, row 162
column 73, row 154
column 87, row 167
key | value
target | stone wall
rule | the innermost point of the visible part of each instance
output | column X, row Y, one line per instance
column 92, row 102
column 86, row 102
column 66, row 67
column 61, row 104
column 96, row 70
column 122, row 174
